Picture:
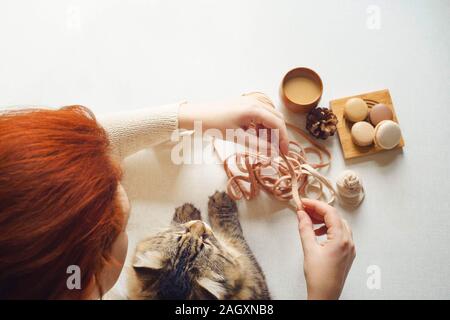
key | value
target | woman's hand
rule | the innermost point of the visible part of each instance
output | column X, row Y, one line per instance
column 241, row 112
column 327, row 264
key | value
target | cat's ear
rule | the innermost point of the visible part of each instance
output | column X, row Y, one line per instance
column 149, row 260
column 212, row 286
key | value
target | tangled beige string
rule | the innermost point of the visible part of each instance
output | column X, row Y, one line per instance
column 285, row 176
column 350, row 188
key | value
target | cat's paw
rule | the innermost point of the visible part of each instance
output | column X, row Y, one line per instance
column 185, row 213
column 221, row 204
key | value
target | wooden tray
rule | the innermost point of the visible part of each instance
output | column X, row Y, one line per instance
column 349, row 149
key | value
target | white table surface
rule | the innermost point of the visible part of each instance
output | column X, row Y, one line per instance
column 115, row 55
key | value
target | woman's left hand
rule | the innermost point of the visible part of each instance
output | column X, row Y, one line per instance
column 241, row 112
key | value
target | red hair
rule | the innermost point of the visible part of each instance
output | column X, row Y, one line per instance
column 58, row 203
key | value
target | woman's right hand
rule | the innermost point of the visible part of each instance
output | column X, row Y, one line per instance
column 327, row 264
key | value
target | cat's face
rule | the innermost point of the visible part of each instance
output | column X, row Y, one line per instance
column 186, row 261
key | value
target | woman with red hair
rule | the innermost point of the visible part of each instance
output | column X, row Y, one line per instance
column 62, row 207
column 61, row 201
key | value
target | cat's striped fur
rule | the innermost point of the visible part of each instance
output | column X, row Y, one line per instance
column 190, row 260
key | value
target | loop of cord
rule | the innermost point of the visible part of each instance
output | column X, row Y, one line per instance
column 286, row 176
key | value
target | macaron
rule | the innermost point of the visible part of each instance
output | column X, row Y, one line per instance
column 387, row 134
column 355, row 109
column 362, row 133
column 380, row 112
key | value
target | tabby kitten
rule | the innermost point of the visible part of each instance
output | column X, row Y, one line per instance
column 190, row 261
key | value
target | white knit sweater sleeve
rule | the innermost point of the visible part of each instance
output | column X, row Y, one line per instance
column 131, row 131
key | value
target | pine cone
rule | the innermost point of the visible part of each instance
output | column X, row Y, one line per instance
column 321, row 122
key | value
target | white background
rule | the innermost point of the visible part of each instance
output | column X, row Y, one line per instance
column 116, row 55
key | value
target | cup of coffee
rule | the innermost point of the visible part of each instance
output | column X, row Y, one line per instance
column 301, row 89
